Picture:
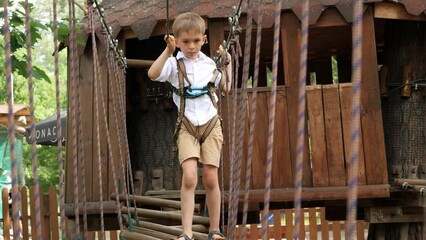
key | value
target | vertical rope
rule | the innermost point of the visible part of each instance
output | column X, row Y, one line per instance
column 234, row 162
column 242, row 119
column 271, row 121
column 72, row 116
column 96, row 119
column 301, row 118
column 120, row 81
column 74, row 71
column 355, row 118
column 32, row 116
column 11, row 119
column 105, row 120
column 252, row 120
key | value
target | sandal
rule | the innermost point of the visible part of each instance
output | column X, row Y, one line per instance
column 212, row 233
column 186, row 237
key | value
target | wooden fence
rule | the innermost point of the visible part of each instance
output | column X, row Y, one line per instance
column 314, row 226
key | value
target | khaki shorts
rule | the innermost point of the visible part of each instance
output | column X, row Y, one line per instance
column 206, row 153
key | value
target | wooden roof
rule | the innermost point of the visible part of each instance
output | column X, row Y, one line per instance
column 142, row 15
column 18, row 110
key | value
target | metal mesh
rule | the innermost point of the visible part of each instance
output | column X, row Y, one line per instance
column 405, row 136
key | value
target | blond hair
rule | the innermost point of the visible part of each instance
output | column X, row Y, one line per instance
column 188, row 21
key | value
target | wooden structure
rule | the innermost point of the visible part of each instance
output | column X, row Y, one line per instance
column 282, row 220
column 139, row 27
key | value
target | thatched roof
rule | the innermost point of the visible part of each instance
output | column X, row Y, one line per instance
column 142, row 15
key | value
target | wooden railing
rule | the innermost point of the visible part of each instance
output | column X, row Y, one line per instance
column 314, row 226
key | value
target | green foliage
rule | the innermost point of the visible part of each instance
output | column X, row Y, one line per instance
column 44, row 85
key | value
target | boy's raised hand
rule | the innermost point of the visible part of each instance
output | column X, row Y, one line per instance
column 171, row 43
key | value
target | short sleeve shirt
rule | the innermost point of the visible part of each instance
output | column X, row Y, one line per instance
column 200, row 71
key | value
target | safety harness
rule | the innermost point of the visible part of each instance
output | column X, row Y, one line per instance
column 191, row 93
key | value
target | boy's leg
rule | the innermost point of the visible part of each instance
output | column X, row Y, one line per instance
column 187, row 194
column 211, row 184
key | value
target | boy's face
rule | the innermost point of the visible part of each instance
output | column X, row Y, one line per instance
column 190, row 43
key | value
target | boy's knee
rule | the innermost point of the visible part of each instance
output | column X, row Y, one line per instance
column 189, row 180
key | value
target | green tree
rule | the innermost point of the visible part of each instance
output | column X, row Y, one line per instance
column 43, row 75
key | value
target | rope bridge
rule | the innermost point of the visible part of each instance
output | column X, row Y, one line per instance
column 124, row 202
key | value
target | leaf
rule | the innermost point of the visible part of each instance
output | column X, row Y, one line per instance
column 40, row 74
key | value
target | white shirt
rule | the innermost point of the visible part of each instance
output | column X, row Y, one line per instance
column 201, row 109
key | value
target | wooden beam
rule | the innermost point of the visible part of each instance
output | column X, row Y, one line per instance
column 392, row 215
column 153, row 201
column 389, row 10
column 163, row 215
column 319, row 193
column 91, row 208
column 138, row 63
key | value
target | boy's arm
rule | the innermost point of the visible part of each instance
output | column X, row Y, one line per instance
column 155, row 69
column 226, row 80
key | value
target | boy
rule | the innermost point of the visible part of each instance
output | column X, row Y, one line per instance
column 199, row 136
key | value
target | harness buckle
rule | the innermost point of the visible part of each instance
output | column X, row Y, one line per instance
column 196, row 91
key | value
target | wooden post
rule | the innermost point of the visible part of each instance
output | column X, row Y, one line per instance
column 6, row 218
column 138, row 182
column 383, row 81
column 406, row 81
column 157, row 179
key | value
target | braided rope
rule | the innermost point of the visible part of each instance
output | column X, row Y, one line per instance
column 252, row 120
column 120, row 81
column 74, row 69
column 32, row 116
column 96, row 94
column 73, row 86
column 271, row 121
column 119, row 54
column 301, row 118
column 355, row 118
column 242, row 120
column 105, row 120
column 11, row 120
column 236, row 51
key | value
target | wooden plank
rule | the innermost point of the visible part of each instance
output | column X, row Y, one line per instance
column 216, row 35
column 334, row 135
column 389, row 10
column 260, row 140
column 289, row 223
column 24, row 211
column 91, row 235
column 277, row 224
column 33, row 212
column 360, row 230
column 324, row 224
column 282, row 169
column 302, row 233
column 335, row 226
column 313, row 227
column 113, row 235
column 53, row 213
column 253, row 232
column 345, row 90
column 371, row 113
column 44, row 212
column 290, row 40
column 103, row 125
column 6, row 215
column 315, row 108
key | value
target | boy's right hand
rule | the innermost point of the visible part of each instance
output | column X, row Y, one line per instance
column 171, row 43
